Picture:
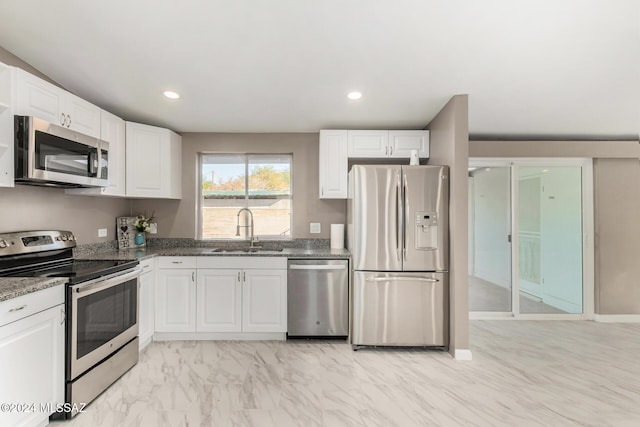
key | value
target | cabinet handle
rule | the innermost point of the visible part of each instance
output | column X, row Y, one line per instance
column 63, row 316
column 193, row 276
column 391, row 150
column 69, row 124
column 176, row 262
column 63, row 119
column 244, row 276
column 18, row 308
column 386, row 151
column 322, row 190
column 238, row 277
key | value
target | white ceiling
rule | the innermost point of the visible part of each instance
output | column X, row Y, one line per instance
column 536, row 68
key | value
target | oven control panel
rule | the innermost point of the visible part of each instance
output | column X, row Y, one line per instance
column 25, row 242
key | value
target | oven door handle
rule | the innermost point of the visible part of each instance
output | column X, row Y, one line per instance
column 104, row 282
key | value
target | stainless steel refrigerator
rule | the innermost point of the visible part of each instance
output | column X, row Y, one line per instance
column 397, row 232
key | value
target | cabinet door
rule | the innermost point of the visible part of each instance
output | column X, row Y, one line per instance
column 219, row 301
column 112, row 130
column 176, row 300
column 401, row 142
column 6, row 126
column 264, row 301
column 368, row 143
column 32, row 365
column 147, row 161
column 82, row 116
column 146, row 314
column 333, row 164
column 36, row 97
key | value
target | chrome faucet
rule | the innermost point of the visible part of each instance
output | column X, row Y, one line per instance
column 253, row 240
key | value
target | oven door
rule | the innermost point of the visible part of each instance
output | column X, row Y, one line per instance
column 59, row 155
column 103, row 317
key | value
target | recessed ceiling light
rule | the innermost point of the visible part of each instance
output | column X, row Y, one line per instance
column 354, row 95
column 171, row 95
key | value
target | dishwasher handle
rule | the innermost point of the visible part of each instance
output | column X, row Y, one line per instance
column 316, row 267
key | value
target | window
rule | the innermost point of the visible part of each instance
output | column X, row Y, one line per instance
column 230, row 182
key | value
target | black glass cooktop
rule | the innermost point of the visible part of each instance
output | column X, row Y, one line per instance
column 75, row 270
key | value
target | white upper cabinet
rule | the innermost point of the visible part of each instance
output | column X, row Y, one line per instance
column 364, row 144
column 6, row 127
column 113, row 131
column 368, row 143
column 38, row 98
column 154, row 162
column 401, row 142
column 333, row 164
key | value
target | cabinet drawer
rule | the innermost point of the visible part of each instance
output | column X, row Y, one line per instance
column 147, row 265
column 177, row 262
column 26, row 305
column 240, row 262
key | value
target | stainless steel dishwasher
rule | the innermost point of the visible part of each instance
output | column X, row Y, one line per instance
column 318, row 297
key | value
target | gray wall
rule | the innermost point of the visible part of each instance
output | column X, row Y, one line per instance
column 616, row 175
column 37, row 208
column 178, row 218
column 449, row 145
column 617, row 235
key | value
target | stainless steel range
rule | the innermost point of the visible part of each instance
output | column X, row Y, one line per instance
column 101, row 307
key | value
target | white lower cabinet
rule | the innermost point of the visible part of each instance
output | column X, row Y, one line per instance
column 248, row 300
column 176, row 300
column 264, row 301
column 32, row 356
column 147, row 302
column 219, row 300
column 237, row 295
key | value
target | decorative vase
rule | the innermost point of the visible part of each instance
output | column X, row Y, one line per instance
column 139, row 239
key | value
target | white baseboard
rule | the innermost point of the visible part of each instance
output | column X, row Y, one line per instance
column 617, row 318
column 463, row 354
column 220, row 336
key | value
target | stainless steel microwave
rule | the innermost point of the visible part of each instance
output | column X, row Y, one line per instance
column 50, row 155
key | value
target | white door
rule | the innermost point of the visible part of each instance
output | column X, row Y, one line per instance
column 147, row 160
column 401, row 142
column 146, row 314
column 38, row 98
column 551, row 209
column 219, row 301
column 113, row 131
column 82, row 116
column 368, row 143
column 264, row 301
column 176, row 300
column 333, row 164
column 32, row 365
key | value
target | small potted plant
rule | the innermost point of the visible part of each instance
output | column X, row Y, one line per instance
column 142, row 223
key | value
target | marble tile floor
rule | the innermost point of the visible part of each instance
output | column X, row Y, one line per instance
column 525, row 373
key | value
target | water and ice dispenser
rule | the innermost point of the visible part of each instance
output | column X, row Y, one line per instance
column 426, row 231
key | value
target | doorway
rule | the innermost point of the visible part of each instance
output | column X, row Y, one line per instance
column 530, row 244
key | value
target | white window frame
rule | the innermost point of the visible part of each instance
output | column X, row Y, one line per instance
column 199, row 207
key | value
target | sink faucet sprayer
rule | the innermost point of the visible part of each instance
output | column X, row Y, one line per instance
column 253, row 241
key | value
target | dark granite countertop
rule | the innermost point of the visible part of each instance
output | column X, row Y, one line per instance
column 144, row 253
column 12, row 287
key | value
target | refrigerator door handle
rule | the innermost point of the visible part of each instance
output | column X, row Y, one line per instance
column 398, row 217
column 406, row 217
column 401, row 278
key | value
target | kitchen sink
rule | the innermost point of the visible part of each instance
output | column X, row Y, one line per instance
column 245, row 250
